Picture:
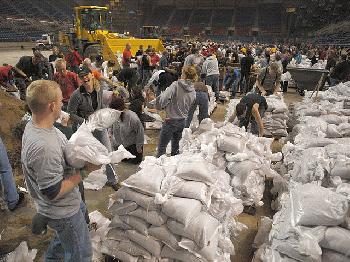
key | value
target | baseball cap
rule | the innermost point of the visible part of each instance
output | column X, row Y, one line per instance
column 83, row 71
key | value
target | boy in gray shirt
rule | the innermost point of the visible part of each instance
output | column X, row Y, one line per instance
column 51, row 182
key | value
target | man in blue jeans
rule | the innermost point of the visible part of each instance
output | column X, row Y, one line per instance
column 9, row 192
column 210, row 71
column 202, row 101
column 176, row 100
column 51, row 182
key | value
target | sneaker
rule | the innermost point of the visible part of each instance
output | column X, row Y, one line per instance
column 20, row 199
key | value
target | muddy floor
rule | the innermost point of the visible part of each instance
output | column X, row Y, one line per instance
column 15, row 226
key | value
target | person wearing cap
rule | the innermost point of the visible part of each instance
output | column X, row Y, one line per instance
column 84, row 101
column 210, row 71
column 67, row 80
column 128, row 131
column 176, row 101
column 202, row 101
column 73, row 59
column 27, row 66
column 101, row 66
column 269, row 80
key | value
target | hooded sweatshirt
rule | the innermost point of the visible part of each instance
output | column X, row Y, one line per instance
column 177, row 99
column 210, row 66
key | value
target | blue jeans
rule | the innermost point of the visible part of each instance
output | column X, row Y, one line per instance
column 213, row 81
column 9, row 191
column 72, row 240
column 202, row 100
column 171, row 130
column 254, row 129
column 103, row 137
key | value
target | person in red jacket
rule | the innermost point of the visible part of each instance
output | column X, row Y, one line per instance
column 74, row 59
column 6, row 78
column 126, row 61
column 68, row 81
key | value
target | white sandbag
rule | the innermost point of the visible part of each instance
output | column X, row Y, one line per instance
column 230, row 144
column 122, row 208
column 118, row 254
column 148, row 243
column 332, row 119
column 102, row 119
column 128, row 247
column 154, row 217
column 201, row 229
column 148, row 180
column 182, row 209
column 118, row 224
column 195, row 190
column 315, row 205
column 337, row 239
column 333, row 256
column 195, row 170
column 340, row 166
column 208, row 253
column 182, row 255
column 163, row 234
column 241, row 170
column 143, row 200
column 136, row 223
column 22, row 253
column 116, row 234
column 263, row 232
column 333, row 150
column 332, row 131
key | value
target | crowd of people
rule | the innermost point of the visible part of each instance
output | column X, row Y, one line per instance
column 175, row 82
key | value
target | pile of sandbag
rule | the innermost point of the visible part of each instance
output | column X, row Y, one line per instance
column 178, row 208
column 312, row 225
column 246, row 157
column 275, row 117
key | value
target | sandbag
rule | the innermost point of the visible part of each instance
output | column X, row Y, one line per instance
column 116, row 234
column 182, row 255
column 148, row 243
column 136, row 223
column 129, row 247
column 163, row 234
column 143, row 200
column 118, row 208
column 230, row 144
column 333, row 256
column 195, row 190
column 148, row 180
column 118, row 224
column 154, row 217
column 315, row 205
column 182, row 209
column 201, row 229
column 118, row 254
column 337, row 239
column 263, row 232
column 196, row 170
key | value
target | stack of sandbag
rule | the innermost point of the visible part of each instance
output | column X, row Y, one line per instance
column 246, row 157
column 224, row 95
column 275, row 117
column 312, row 225
column 178, row 208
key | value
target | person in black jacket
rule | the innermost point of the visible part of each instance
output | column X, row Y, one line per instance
column 340, row 71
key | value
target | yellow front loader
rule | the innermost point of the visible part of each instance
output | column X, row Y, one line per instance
column 91, row 36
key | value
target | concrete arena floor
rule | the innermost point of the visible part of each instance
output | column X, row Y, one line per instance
column 17, row 226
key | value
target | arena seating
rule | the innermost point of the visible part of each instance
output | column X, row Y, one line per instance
column 180, row 17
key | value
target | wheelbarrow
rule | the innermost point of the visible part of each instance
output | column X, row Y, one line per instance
column 308, row 79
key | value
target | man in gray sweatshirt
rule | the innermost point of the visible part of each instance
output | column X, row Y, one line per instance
column 176, row 101
column 210, row 70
